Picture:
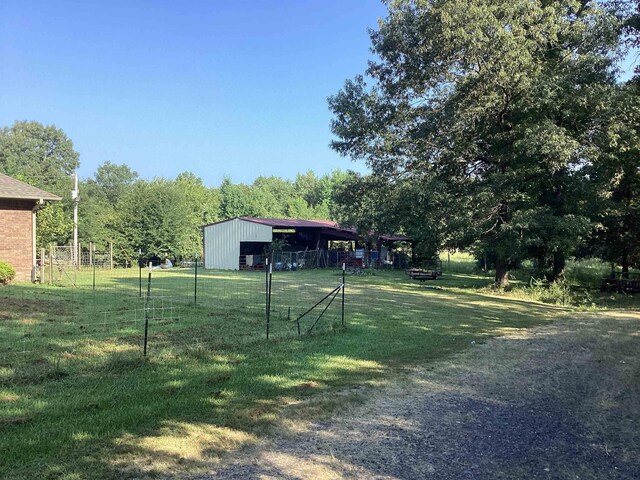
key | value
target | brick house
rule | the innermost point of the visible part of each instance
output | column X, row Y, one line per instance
column 18, row 205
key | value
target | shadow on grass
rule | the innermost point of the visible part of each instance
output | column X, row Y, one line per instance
column 517, row 408
column 115, row 415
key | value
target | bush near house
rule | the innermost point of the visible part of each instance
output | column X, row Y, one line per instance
column 7, row 273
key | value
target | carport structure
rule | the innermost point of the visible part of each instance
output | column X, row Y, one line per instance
column 240, row 242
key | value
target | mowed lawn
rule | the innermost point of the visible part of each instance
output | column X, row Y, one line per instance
column 78, row 400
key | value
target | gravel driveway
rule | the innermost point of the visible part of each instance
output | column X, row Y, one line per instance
column 560, row 401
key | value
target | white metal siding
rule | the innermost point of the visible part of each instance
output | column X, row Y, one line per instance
column 222, row 242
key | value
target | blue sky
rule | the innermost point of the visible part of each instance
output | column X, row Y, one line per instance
column 216, row 88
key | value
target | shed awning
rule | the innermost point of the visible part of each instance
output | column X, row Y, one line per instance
column 330, row 230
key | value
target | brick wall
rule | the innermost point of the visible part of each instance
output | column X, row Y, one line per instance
column 15, row 236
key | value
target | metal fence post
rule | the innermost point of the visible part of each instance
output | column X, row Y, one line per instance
column 140, row 272
column 266, row 287
column 195, row 283
column 269, row 282
column 92, row 246
column 146, row 312
column 343, row 285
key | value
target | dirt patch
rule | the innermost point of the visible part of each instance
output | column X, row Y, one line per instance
column 308, row 385
column 16, row 307
column 555, row 402
column 14, row 420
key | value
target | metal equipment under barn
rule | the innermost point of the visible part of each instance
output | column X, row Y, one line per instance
column 241, row 243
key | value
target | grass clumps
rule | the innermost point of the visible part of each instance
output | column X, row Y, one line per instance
column 77, row 394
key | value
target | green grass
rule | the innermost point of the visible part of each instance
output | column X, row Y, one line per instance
column 458, row 262
column 78, row 400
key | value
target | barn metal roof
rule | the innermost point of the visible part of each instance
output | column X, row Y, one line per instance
column 328, row 227
column 292, row 223
column 15, row 189
column 283, row 222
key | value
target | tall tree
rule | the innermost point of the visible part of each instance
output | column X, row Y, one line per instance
column 99, row 206
column 154, row 216
column 270, row 196
column 201, row 207
column 42, row 156
column 38, row 154
column 235, row 200
column 381, row 205
column 493, row 98
column 113, row 180
column 616, row 176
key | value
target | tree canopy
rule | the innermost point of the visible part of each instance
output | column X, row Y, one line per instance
column 158, row 217
column 497, row 103
column 42, row 156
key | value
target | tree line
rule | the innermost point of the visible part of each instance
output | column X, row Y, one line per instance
column 158, row 217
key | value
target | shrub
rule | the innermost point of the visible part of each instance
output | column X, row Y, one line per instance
column 7, row 273
column 556, row 293
column 587, row 272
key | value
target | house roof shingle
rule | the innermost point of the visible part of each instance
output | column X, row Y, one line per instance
column 15, row 189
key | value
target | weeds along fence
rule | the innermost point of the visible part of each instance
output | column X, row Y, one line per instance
column 88, row 312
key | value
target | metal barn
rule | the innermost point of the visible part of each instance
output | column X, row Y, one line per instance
column 239, row 243
column 224, row 240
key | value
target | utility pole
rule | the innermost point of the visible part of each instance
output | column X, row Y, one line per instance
column 75, row 199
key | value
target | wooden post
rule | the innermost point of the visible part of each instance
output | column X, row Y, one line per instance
column 91, row 254
column 50, row 264
column 42, row 261
column 110, row 255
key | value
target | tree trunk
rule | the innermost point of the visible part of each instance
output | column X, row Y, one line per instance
column 539, row 266
column 502, row 274
column 625, row 263
column 558, row 266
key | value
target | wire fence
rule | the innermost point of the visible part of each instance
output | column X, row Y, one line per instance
column 88, row 311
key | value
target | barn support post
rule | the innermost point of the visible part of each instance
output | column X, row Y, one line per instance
column 414, row 257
